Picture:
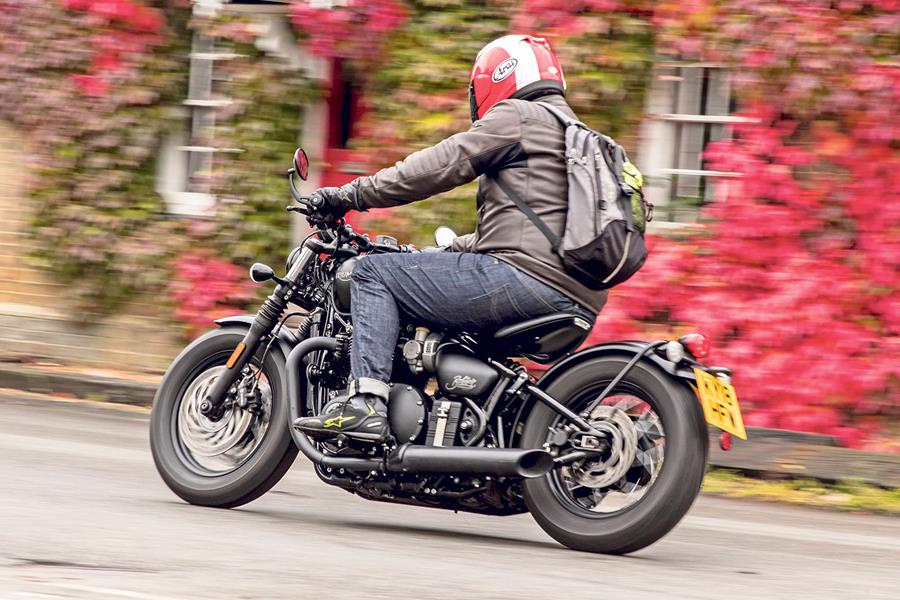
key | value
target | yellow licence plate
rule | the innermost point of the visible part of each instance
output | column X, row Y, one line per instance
column 720, row 404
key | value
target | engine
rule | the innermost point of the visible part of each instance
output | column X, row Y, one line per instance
column 450, row 413
column 453, row 417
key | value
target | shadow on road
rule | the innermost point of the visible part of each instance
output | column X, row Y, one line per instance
column 447, row 534
column 331, row 523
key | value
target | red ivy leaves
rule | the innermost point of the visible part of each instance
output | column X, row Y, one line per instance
column 205, row 289
column 804, row 249
column 132, row 14
column 128, row 28
column 354, row 30
column 795, row 279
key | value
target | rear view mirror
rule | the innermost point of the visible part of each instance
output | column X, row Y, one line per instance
column 301, row 163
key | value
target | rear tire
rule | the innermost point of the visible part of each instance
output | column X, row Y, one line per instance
column 672, row 492
column 268, row 461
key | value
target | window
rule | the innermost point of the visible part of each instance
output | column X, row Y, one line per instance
column 185, row 167
column 688, row 107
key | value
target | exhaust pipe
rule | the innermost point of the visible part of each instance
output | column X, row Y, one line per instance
column 294, row 369
column 501, row 462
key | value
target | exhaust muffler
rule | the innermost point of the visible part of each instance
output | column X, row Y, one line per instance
column 500, row 462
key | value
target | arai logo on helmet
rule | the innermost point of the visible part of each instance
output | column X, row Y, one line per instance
column 504, row 70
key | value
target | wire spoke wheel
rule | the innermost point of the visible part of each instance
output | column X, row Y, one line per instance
column 214, row 447
column 620, row 475
column 633, row 484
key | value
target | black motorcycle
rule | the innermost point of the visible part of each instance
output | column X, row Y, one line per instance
column 607, row 449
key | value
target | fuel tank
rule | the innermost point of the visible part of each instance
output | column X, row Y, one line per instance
column 341, row 288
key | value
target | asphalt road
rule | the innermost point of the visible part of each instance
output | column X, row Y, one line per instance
column 83, row 514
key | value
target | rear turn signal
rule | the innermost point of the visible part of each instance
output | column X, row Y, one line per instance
column 696, row 344
column 725, row 441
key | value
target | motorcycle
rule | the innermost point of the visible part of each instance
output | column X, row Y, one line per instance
column 607, row 449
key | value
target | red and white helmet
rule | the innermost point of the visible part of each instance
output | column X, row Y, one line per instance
column 514, row 66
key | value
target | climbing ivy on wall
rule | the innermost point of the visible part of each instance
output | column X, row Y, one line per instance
column 91, row 84
column 794, row 276
column 96, row 87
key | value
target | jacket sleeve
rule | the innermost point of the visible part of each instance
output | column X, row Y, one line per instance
column 493, row 142
column 464, row 243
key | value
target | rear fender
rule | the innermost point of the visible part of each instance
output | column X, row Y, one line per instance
column 625, row 349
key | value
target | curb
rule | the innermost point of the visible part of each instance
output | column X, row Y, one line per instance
column 104, row 389
column 790, row 454
column 769, row 453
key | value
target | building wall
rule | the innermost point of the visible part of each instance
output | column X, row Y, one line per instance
column 36, row 322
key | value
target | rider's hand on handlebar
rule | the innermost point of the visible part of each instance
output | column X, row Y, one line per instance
column 334, row 201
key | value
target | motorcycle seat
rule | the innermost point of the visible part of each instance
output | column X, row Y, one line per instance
column 544, row 339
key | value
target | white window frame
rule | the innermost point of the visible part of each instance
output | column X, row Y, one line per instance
column 663, row 148
column 173, row 180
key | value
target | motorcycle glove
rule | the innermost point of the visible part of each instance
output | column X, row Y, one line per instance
column 335, row 201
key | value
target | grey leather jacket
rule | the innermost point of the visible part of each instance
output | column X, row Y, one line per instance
column 523, row 145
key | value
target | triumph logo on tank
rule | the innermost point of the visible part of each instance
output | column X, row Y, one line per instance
column 462, row 382
column 504, row 70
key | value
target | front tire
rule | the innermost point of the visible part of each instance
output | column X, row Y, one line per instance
column 233, row 462
column 670, row 491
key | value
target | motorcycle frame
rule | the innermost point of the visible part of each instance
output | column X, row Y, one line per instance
column 513, row 386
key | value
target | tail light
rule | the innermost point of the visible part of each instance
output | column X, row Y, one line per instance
column 696, row 344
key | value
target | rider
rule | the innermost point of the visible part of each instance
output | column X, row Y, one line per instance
column 503, row 273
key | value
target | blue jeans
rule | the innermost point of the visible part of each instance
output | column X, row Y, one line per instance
column 474, row 292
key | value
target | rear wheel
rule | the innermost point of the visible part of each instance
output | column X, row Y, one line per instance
column 632, row 493
column 233, row 460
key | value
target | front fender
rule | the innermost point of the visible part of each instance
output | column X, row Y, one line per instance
column 286, row 338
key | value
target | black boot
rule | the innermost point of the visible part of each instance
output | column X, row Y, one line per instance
column 361, row 417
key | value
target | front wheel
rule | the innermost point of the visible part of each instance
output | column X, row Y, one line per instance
column 633, row 492
column 233, row 460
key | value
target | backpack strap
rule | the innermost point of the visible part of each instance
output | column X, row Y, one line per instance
column 555, row 241
column 562, row 117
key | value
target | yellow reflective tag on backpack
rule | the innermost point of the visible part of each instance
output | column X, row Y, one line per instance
column 632, row 176
column 633, row 179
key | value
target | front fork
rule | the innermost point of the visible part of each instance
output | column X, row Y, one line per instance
column 267, row 317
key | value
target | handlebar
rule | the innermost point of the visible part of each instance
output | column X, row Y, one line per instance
column 334, row 231
column 343, row 232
